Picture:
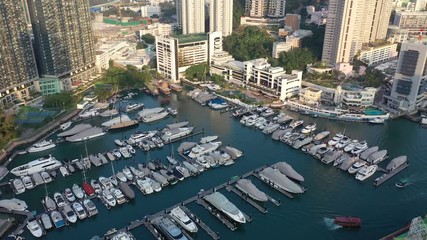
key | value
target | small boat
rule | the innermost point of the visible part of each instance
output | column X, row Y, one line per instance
column 90, row 207
column 47, row 223
column 172, row 160
column 28, row 182
column 133, row 107
column 96, row 185
column 118, row 195
column 88, row 189
column 377, row 121
column 49, row 203
column 71, row 168
column 57, row 219
column 350, row 222
column 365, row 172
column 172, row 111
column 402, row 183
column 65, row 126
column 18, row 186
column 117, row 153
column 128, row 174
column 121, row 177
column 111, row 156
column 59, row 199
column 34, row 227
column 64, row 172
column 69, row 195
column 41, row 146
column 309, row 128
column 69, row 214
column 46, row 177
column 183, row 220
column 78, row 191
column 80, row 211
column 108, row 198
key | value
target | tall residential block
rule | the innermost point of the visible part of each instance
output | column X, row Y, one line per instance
column 265, row 8
column 409, row 84
column 18, row 69
column 352, row 23
column 221, row 16
column 64, row 42
column 191, row 16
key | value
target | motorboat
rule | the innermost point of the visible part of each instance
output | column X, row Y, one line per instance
column 313, row 150
column 128, row 174
column 233, row 152
column 87, row 135
column 288, row 171
column 169, row 176
column 121, row 235
column 309, row 128
column 111, row 156
column 18, row 185
column 172, row 160
column 34, row 227
column 65, row 126
column 335, row 139
column 178, row 175
column 270, row 128
column 202, row 161
column 168, row 228
column 356, row 166
column 402, row 183
column 41, row 146
column 59, row 199
column 365, row 172
column 220, row 202
column 172, row 111
column 202, row 149
column 149, row 111
column 346, row 164
column 176, row 133
column 57, row 219
column 208, row 139
column 71, row 168
column 116, row 153
column 64, row 171
column 139, row 135
column 96, row 185
column 121, row 177
column 118, row 195
column 46, row 177
column 86, row 163
column 124, row 151
column 247, row 187
column 218, row 106
column 365, row 154
column 50, row 204
column 90, row 207
column 42, row 164
column 159, row 178
column 102, row 158
column 322, row 135
column 45, row 219
column 296, row 123
column 359, row 148
column 343, row 142
column 131, row 150
column 183, row 220
column 377, row 157
column 80, row 211
column 109, row 113
column 78, row 191
column 280, row 180
column 13, row 204
column 300, row 143
column 69, row 214
column 377, row 121
column 341, row 159
column 89, row 113
column 351, row 146
column 126, row 190
column 88, row 189
column 396, row 162
column 184, row 171
column 350, row 222
column 28, row 182
column 106, row 182
column 331, row 156
column 154, row 117
column 193, row 170
column 144, row 186
column 155, row 185
column 75, row 130
column 108, row 198
column 69, row 195
column 133, row 107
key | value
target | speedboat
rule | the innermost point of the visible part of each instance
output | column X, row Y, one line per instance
column 351, row 146
column 356, row 166
column 296, row 123
column 168, row 228
column 80, row 211
column 402, row 183
column 176, row 133
column 366, row 171
column 134, row 106
column 125, row 152
column 41, row 146
column 343, row 142
column 208, row 139
column 90, row 207
column 144, row 186
column 183, row 220
column 59, row 199
column 117, row 153
column 57, row 219
column 136, row 172
column 155, row 185
column 172, row 111
column 202, row 161
column 359, row 148
column 350, row 222
column 108, row 198
column 69, row 214
column 34, row 227
column 126, row 171
column 121, row 177
column 65, row 126
column 220, row 202
column 89, row 113
column 38, row 165
column 28, row 183
column 184, row 171
column 309, row 128
column 118, row 195
column 18, row 186
column 69, row 195
column 47, row 223
column 335, row 139
column 64, row 172
column 46, row 177
column 202, row 149
column 106, row 182
column 78, row 191
column 96, row 185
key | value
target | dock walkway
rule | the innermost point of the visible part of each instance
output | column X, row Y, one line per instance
column 387, row 176
column 199, row 222
column 216, row 214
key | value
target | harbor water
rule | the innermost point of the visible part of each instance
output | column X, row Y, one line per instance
column 331, row 192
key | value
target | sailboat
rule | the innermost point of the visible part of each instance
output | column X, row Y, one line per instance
column 171, row 159
column 123, row 123
column 85, row 185
column 48, row 202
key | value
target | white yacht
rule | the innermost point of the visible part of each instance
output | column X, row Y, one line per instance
column 366, row 172
column 121, row 177
column 176, row 133
column 118, row 195
column 133, row 107
column 78, row 191
column 144, row 186
column 124, row 151
column 183, row 220
column 220, row 202
column 113, row 121
column 335, row 139
column 90, row 207
column 202, row 149
column 357, row 166
column 109, row 198
column 89, row 113
column 87, row 135
column 80, row 211
column 41, row 146
column 96, row 185
column 69, row 214
column 59, row 199
column 154, row 117
column 351, row 145
column 65, row 126
column 296, row 123
column 343, row 142
column 106, row 182
column 128, row 174
column 38, row 165
column 149, row 111
column 34, row 227
column 359, row 148
column 69, row 195
column 309, row 128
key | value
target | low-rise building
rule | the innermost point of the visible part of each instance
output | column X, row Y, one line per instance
column 148, row 11
column 157, row 29
column 253, row 21
column 411, row 22
column 292, row 41
column 310, row 95
column 373, row 55
column 50, row 85
column 102, row 60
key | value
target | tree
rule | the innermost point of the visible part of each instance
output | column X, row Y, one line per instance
column 148, row 38
column 141, row 45
column 238, row 11
column 296, row 59
column 59, row 100
column 198, row 72
column 315, row 42
column 168, row 9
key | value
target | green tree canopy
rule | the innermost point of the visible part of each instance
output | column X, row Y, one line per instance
column 141, row 45
column 296, row 59
column 148, row 38
column 59, row 100
column 198, row 72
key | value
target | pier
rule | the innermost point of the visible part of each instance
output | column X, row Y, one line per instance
column 387, row 176
column 247, row 199
column 184, row 137
column 199, row 222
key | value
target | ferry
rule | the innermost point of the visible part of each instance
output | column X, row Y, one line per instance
column 38, row 165
column 41, row 146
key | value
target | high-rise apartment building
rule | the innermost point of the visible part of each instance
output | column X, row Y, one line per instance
column 191, row 16
column 221, row 16
column 18, row 69
column 409, row 84
column 64, row 42
column 265, row 8
column 352, row 23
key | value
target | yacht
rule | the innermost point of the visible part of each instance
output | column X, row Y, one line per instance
column 154, row 117
column 359, row 148
column 128, row 174
column 80, row 211
column 155, row 185
column 374, row 158
column 76, row 129
column 396, row 162
column 59, row 199
column 69, row 214
column 343, row 142
column 331, row 156
column 116, row 120
column 300, row 143
column 18, row 186
column 69, row 195
column 136, row 172
column 366, row 172
column 34, row 227
column 41, row 146
column 96, row 185
column 144, row 186
column 247, row 187
column 57, row 219
column 190, row 167
column 183, row 220
column 89, row 113
column 365, row 154
column 108, row 198
column 118, row 195
column 106, row 182
column 65, row 126
column 46, row 177
column 133, row 107
column 172, row 160
column 351, row 146
column 220, row 202
column 202, row 149
column 309, row 128
column 47, row 223
column 121, row 177
column 42, row 164
column 116, row 153
column 357, row 166
column 184, row 171
column 124, row 151
column 149, row 111
column 90, row 207
column 28, row 183
column 280, row 180
column 346, row 164
column 288, row 171
column 168, row 229
column 176, row 133
column 13, row 204
column 296, row 123
column 335, row 139
column 139, row 136
column 322, row 135
column 377, row 121
column 87, row 135
column 78, row 191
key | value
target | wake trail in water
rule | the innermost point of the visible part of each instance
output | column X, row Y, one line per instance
column 329, row 223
